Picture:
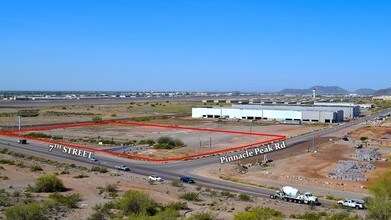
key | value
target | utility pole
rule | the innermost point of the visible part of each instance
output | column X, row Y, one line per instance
column 313, row 143
column 20, row 122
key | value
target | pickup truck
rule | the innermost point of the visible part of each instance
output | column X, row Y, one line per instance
column 122, row 167
column 354, row 203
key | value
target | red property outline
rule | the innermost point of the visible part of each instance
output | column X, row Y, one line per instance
column 15, row 133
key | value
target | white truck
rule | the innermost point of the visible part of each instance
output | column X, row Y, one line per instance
column 291, row 194
column 354, row 203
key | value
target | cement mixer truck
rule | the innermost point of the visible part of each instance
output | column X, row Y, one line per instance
column 291, row 194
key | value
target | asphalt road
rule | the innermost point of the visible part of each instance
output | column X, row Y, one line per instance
column 172, row 171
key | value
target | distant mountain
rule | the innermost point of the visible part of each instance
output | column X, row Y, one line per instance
column 383, row 91
column 364, row 91
column 319, row 90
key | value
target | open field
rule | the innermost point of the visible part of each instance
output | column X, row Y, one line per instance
column 79, row 113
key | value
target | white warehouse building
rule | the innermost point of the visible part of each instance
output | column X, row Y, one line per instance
column 242, row 112
column 320, row 112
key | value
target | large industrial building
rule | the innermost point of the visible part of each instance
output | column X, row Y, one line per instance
column 287, row 113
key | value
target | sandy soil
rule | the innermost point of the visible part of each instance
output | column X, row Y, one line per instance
column 374, row 132
column 299, row 167
column 223, row 208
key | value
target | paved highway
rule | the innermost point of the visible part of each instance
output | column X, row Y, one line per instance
column 172, row 171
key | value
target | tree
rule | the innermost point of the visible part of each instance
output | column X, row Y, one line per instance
column 379, row 204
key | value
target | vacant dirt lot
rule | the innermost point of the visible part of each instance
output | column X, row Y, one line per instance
column 374, row 132
column 196, row 141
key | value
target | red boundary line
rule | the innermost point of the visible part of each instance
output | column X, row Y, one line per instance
column 14, row 133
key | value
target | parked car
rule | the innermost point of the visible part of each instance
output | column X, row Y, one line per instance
column 122, row 167
column 186, row 179
column 155, row 178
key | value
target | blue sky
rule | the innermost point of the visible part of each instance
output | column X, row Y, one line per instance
column 201, row 45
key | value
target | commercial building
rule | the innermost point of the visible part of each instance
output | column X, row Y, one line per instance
column 381, row 98
column 285, row 113
column 350, row 110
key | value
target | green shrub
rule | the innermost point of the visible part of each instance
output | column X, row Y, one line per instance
column 38, row 135
column 140, row 119
column 97, row 118
column 203, row 216
column 244, row 197
column 57, row 137
column 178, row 206
column 99, row 169
column 103, row 170
column 16, row 194
column 96, row 216
column 136, row 202
column 149, row 142
column 65, row 172
column 166, row 214
column 49, row 183
column 35, row 168
column 166, row 142
column 95, row 169
column 379, row 202
column 3, row 151
column 342, row 216
column 261, row 213
column 69, row 201
column 20, row 164
column 176, row 183
column 4, row 201
column 190, row 196
column 111, row 189
column 81, row 176
column 227, row 194
column 31, row 211
column 310, row 216
column 7, row 161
